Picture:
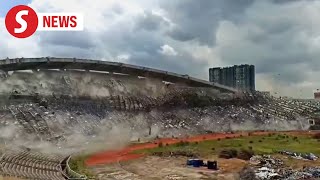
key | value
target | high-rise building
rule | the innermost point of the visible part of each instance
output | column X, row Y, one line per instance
column 238, row 76
column 317, row 95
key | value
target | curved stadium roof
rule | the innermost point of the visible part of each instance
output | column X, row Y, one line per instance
column 107, row 66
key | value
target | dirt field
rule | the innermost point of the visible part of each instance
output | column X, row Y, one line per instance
column 159, row 168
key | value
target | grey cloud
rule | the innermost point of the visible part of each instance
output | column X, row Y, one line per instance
column 199, row 20
column 180, row 35
column 79, row 39
column 150, row 21
column 170, row 63
column 287, row 1
column 69, row 52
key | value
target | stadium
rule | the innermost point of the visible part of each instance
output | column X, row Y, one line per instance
column 53, row 109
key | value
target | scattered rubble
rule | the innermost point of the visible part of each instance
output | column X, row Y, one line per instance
column 267, row 167
column 304, row 156
column 314, row 171
column 266, row 161
column 247, row 173
column 265, row 173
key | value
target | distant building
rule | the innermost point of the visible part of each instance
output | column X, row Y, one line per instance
column 238, row 76
column 317, row 95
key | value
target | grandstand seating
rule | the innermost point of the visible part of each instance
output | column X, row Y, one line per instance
column 27, row 164
column 88, row 115
column 30, row 165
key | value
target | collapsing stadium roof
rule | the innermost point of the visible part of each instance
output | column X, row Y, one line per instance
column 106, row 66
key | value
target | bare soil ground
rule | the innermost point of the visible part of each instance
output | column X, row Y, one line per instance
column 167, row 168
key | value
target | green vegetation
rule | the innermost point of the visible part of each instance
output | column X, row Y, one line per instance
column 77, row 164
column 266, row 144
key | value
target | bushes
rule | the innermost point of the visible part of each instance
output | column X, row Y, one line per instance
column 316, row 136
column 245, row 154
column 233, row 153
column 228, row 153
column 182, row 143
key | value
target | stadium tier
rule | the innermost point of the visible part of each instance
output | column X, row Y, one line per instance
column 26, row 164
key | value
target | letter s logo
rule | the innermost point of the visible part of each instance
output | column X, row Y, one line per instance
column 21, row 21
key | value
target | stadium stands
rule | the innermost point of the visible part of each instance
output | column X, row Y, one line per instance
column 87, row 116
column 27, row 164
column 30, row 165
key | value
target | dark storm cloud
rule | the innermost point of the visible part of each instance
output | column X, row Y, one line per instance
column 199, row 20
column 144, row 46
column 180, row 35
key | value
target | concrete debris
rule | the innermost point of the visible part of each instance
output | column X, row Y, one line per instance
column 266, row 173
column 314, row 171
column 267, row 167
column 266, row 161
column 304, row 156
column 247, row 173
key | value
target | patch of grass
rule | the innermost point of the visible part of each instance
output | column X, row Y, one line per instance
column 77, row 164
column 270, row 145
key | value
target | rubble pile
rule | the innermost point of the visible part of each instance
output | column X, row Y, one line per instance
column 267, row 167
column 314, row 171
column 304, row 156
column 266, row 161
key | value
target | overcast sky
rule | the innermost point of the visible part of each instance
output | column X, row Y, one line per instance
column 280, row 37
